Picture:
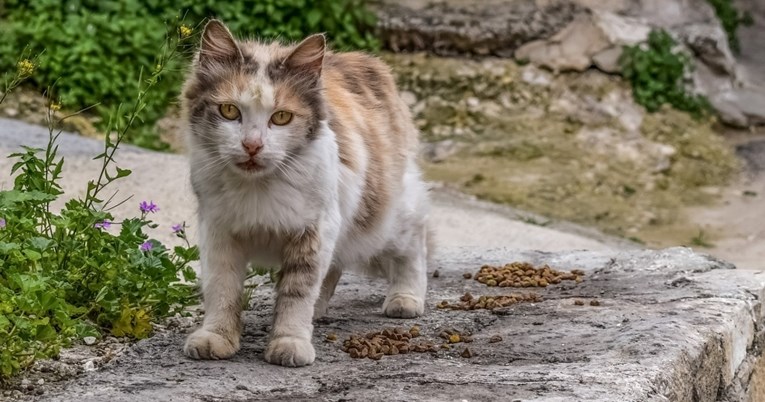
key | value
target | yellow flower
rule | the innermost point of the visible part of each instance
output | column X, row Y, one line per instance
column 25, row 67
column 55, row 106
column 185, row 31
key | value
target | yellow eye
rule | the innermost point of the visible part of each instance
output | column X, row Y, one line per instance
column 281, row 118
column 229, row 111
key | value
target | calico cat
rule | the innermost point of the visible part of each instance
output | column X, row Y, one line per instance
column 304, row 158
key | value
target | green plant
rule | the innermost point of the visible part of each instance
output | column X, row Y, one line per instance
column 69, row 274
column 657, row 71
column 731, row 19
column 102, row 46
column 701, row 240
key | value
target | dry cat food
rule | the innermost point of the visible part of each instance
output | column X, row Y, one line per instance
column 594, row 303
column 468, row 302
column 525, row 275
column 454, row 336
column 390, row 341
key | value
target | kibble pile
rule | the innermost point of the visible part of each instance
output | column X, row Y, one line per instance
column 390, row 341
column 523, row 274
column 468, row 302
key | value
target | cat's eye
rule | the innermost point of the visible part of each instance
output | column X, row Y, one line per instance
column 229, row 111
column 281, row 118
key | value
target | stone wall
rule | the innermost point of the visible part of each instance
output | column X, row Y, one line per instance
column 566, row 35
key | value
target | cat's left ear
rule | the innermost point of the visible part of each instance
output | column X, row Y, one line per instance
column 308, row 55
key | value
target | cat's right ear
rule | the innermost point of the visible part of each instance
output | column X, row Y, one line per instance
column 218, row 45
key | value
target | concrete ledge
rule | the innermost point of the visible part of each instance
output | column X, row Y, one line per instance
column 672, row 326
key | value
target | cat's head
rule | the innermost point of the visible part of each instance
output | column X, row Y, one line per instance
column 252, row 106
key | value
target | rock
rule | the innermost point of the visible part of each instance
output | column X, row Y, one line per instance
column 570, row 49
column 25, row 383
column 608, row 60
column 89, row 340
column 710, row 44
column 89, row 366
column 491, row 27
column 40, row 381
column 599, row 34
column 472, row 102
column 616, row 105
column 439, row 151
column 171, row 131
column 627, row 146
column 535, row 76
column 741, row 107
column 11, row 112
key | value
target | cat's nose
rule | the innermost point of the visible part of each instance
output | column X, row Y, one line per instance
column 252, row 146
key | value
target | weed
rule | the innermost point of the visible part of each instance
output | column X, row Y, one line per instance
column 731, row 19
column 658, row 71
column 79, row 272
column 701, row 240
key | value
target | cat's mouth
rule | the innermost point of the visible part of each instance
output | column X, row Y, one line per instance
column 250, row 166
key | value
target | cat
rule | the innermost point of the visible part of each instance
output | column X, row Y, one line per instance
column 305, row 158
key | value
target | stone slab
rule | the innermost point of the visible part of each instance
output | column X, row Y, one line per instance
column 672, row 326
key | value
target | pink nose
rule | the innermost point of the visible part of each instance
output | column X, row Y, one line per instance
column 252, row 146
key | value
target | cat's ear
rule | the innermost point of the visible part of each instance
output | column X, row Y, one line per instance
column 308, row 55
column 218, row 45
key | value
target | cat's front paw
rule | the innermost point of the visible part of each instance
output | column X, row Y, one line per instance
column 403, row 306
column 290, row 351
column 208, row 345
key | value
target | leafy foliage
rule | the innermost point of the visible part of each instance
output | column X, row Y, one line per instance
column 65, row 275
column 657, row 71
column 101, row 47
column 731, row 19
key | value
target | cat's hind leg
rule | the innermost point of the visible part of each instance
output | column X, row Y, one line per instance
column 405, row 266
column 327, row 291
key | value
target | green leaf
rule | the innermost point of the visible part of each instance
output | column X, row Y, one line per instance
column 32, row 255
column 123, row 172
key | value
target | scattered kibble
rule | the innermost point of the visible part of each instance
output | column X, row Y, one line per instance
column 453, row 336
column 388, row 342
column 495, row 339
column 469, row 302
column 436, row 273
column 594, row 303
column 578, row 303
column 523, row 274
column 331, row 337
column 467, row 275
column 466, row 353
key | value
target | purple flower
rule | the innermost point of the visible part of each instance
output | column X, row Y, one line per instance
column 147, row 207
column 146, row 246
column 103, row 225
column 2, row 223
column 177, row 228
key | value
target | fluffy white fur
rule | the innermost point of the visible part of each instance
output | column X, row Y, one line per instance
column 243, row 216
